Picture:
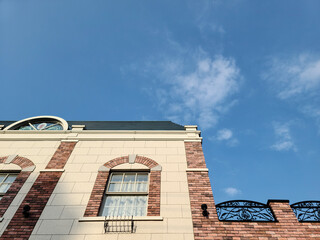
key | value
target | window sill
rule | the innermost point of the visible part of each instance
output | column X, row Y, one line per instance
column 102, row 219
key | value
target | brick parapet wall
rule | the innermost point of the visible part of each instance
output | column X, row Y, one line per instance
column 99, row 187
column 21, row 227
column 286, row 227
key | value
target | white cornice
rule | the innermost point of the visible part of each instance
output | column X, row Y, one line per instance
column 99, row 135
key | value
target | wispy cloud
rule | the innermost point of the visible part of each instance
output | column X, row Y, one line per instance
column 295, row 76
column 226, row 135
column 284, row 140
column 296, row 79
column 231, row 191
column 199, row 90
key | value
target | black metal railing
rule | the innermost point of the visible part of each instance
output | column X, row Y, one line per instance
column 119, row 224
column 244, row 211
column 307, row 211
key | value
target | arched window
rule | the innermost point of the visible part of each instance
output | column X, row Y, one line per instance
column 40, row 123
column 126, row 186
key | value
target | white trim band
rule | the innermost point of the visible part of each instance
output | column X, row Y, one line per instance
column 196, row 140
column 52, row 170
column 102, row 219
column 197, row 170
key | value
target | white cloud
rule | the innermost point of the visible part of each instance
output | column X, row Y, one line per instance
column 284, row 141
column 295, row 76
column 231, row 191
column 296, row 79
column 224, row 134
column 199, row 90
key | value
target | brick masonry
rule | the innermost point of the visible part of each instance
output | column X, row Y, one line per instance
column 17, row 184
column 21, row 227
column 61, row 156
column 97, row 193
column 154, row 194
column 200, row 192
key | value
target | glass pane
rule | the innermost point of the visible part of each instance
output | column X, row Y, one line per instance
column 142, row 187
column 2, row 176
column 129, row 177
column 125, row 206
column 114, row 187
column 10, row 179
column 142, row 177
column 54, row 127
column 26, row 128
column 128, row 187
column 112, row 201
column 116, row 177
column 4, row 187
column 107, row 211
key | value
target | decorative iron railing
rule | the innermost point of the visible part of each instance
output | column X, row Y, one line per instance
column 119, row 224
column 244, row 211
column 307, row 211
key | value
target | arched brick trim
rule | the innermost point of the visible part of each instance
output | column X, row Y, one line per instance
column 117, row 161
column 146, row 161
column 99, row 187
column 27, row 167
column 139, row 159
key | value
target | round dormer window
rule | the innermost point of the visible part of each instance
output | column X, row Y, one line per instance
column 41, row 123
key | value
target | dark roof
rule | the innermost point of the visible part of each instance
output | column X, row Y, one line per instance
column 120, row 125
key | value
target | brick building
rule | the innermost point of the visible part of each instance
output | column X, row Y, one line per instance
column 125, row 180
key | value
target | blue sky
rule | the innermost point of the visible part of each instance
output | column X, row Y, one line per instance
column 246, row 72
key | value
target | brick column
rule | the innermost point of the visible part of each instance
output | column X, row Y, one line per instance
column 200, row 192
column 21, row 227
column 154, row 194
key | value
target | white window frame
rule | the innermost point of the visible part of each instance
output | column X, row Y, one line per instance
column 107, row 193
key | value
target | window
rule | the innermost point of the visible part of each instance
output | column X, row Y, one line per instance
column 126, row 194
column 40, row 123
column 6, row 180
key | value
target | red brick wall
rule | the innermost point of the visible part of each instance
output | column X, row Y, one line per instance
column 17, row 184
column 200, row 192
column 194, row 153
column 97, row 194
column 12, row 192
column 38, row 196
column 61, row 156
column 154, row 194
